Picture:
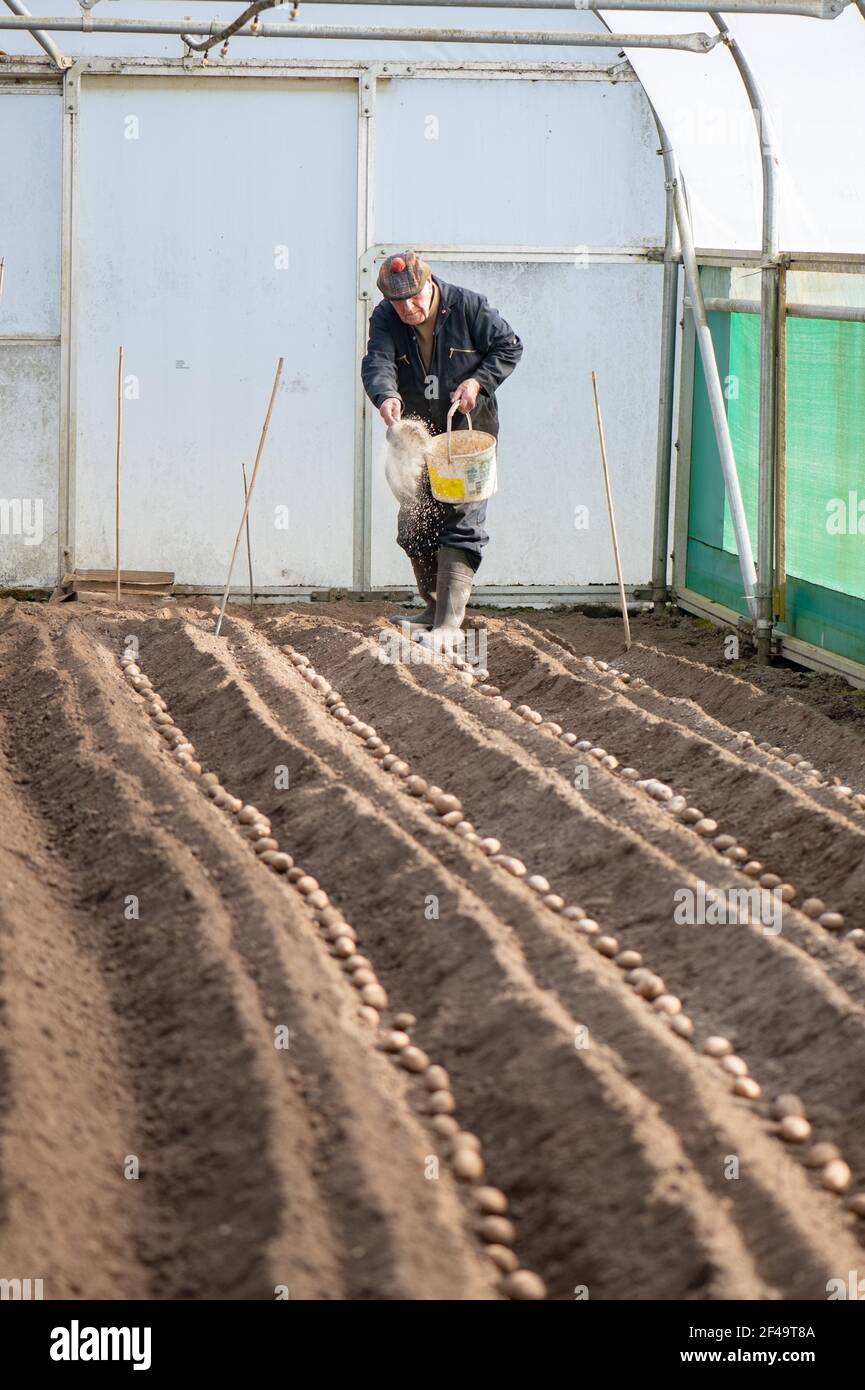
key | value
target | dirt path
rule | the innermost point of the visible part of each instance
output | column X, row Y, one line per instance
column 150, row 961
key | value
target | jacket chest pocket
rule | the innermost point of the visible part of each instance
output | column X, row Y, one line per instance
column 461, row 363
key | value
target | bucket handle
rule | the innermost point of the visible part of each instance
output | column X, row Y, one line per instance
column 454, row 408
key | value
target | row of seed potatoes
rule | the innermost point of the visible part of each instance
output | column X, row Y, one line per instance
column 726, row 845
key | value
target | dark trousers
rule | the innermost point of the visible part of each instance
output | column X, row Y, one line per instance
column 425, row 525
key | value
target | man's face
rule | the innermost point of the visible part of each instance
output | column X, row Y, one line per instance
column 415, row 310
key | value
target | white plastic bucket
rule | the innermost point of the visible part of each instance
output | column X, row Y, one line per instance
column 462, row 464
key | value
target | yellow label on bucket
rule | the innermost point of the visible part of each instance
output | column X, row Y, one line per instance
column 442, row 487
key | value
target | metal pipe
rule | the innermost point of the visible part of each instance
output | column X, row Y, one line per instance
column 717, row 305
column 780, row 500
column 712, row 377
column 669, row 314
column 841, row 313
column 852, row 263
column 68, row 434
column 826, row 311
column 40, row 36
column 814, row 9
column 687, row 43
column 367, row 101
column 769, row 277
column 765, row 133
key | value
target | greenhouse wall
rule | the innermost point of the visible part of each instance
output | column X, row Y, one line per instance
column 212, row 219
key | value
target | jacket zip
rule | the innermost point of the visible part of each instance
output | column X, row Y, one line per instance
column 416, row 346
column 440, row 318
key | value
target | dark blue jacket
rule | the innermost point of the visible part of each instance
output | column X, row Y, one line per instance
column 471, row 339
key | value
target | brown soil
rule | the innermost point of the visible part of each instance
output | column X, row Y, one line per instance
column 151, row 1037
column 695, row 640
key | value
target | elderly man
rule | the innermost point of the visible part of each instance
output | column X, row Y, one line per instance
column 430, row 344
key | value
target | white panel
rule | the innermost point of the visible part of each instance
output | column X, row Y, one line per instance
column 29, row 425
column 571, row 320
column 180, row 236
column 562, row 164
column 810, row 74
column 30, row 138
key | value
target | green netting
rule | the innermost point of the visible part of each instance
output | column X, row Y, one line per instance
column 742, row 390
column 825, row 452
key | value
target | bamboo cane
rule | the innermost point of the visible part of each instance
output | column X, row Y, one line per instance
column 248, row 545
column 612, row 514
column 252, row 481
column 117, row 476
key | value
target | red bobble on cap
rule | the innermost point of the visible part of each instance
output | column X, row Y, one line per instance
column 397, row 263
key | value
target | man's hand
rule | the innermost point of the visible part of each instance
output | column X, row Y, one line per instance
column 466, row 395
column 390, row 410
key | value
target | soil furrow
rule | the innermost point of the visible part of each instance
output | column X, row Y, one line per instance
column 771, row 717
column 66, row 1117
column 801, row 831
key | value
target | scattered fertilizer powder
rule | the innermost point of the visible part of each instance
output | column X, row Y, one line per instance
column 407, row 444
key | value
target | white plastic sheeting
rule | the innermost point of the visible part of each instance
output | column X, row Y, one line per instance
column 207, row 265
column 29, row 309
column 812, row 76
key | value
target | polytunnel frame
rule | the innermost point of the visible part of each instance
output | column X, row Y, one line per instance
column 773, row 308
